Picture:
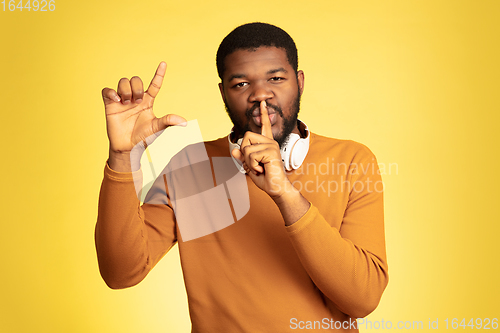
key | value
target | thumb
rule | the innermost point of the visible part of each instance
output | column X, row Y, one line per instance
column 159, row 124
column 237, row 154
column 171, row 120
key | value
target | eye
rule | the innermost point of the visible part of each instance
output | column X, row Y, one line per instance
column 276, row 79
column 240, row 84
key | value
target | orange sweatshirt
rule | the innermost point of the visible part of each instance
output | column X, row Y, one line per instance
column 256, row 275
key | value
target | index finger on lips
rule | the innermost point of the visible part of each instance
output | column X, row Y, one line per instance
column 155, row 85
column 264, row 119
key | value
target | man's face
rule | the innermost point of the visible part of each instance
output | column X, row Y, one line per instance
column 262, row 75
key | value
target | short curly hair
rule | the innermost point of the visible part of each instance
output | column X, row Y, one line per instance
column 251, row 36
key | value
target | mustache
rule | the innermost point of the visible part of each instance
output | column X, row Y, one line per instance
column 249, row 112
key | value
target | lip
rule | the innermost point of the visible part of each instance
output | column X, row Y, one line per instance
column 257, row 121
column 256, row 116
column 256, row 112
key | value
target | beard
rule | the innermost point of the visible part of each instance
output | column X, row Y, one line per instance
column 242, row 126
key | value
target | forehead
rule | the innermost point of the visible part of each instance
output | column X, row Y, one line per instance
column 262, row 59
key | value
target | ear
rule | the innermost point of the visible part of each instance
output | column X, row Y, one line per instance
column 221, row 88
column 300, row 81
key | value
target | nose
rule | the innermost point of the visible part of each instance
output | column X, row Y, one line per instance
column 260, row 92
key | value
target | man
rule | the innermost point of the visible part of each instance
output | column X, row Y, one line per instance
column 310, row 252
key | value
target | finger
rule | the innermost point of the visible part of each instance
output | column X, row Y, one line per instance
column 124, row 90
column 255, row 166
column 109, row 96
column 172, row 120
column 264, row 119
column 155, row 85
column 249, row 171
column 255, row 158
column 245, row 167
column 251, row 138
column 237, row 154
column 137, row 89
column 246, row 141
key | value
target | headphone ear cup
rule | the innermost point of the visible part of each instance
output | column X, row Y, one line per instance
column 295, row 151
column 233, row 146
column 287, row 150
column 298, row 153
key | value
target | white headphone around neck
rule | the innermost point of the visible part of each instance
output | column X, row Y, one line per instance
column 293, row 152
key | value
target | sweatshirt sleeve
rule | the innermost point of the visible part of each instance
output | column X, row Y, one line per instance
column 130, row 239
column 348, row 264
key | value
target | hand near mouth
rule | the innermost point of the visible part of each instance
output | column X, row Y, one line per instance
column 261, row 158
column 254, row 139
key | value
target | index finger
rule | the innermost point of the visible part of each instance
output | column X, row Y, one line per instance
column 264, row 120
column 155, row 85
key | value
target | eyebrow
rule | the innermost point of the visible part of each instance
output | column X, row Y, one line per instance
column 272, row 71
column 277, row 70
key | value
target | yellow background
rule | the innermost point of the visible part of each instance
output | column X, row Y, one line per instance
column 417, row 81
